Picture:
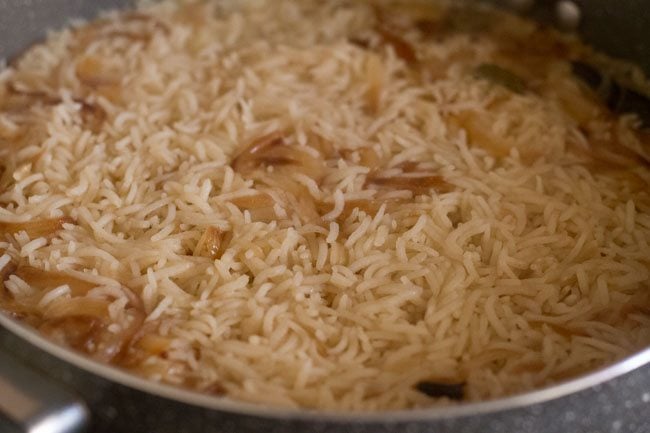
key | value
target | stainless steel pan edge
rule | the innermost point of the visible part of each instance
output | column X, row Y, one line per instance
column 608, row 402
column 121, row 402
column 224, row 404
column 613, row 400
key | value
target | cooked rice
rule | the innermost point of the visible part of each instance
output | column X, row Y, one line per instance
column 522, row 264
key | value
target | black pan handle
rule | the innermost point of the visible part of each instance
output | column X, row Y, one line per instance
column 36, row 404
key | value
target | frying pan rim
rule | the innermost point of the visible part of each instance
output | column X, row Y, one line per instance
column 194, row 398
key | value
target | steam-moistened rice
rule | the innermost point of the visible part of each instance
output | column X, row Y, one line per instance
column 333, row 205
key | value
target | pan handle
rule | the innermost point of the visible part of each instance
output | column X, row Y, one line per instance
column 35, row 404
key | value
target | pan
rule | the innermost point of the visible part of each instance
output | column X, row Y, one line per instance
column 46, row 388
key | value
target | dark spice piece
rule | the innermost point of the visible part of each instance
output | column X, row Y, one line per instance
column 454, row 391
column 360, row 42
column 501, row 76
